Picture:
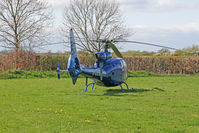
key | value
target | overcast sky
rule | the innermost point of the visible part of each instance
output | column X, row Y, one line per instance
column 173, row 23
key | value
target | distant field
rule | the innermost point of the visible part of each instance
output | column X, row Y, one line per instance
column 157, row 105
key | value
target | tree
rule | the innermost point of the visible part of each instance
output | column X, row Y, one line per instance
column 194, row 49
column 22, row 23
column 164, row 51
column 94, row 20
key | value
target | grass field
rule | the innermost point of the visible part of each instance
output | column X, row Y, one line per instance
column 157, row 105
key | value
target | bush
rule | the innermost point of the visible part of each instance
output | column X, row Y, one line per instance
column 162, row 65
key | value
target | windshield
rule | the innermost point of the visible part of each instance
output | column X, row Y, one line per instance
column 124, row 69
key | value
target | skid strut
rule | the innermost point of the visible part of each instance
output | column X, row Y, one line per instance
column 87, row 85
column 126, row 86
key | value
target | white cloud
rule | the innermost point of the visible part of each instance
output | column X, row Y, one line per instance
column 177, row 36
column 169, row 33
column 57, row 2
column 143, row 5
column 190, row 27
column 157, row 5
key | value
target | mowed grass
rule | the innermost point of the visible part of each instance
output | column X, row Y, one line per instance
column 157, row 105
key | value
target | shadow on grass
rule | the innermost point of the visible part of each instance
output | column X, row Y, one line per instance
column 118, row 92
column 159, row 89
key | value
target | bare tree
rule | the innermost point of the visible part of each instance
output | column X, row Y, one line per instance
column 94, row 20
column 22, row 23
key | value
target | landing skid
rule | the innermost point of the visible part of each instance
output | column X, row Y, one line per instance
column 126, row 87
column 93, row 84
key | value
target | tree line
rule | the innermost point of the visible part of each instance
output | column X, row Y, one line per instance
column 24, row 24
column 48, row 62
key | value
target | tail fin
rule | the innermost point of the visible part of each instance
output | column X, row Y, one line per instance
column 73, row 61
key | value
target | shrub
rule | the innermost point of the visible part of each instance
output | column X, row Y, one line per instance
column 162, row 65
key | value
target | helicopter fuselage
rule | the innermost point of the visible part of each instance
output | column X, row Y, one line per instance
column 106, row 71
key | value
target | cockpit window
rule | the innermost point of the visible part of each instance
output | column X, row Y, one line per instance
column 124, row 66
column 124, row 69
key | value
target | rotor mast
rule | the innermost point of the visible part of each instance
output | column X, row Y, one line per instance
column 106, row 47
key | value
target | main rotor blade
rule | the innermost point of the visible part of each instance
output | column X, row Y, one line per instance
column 115, row 49
column 150, row 44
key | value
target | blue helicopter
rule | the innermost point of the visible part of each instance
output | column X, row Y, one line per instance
column 107, row 71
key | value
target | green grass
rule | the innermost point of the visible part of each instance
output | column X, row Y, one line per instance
column 21, row 74
column 157, row 105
